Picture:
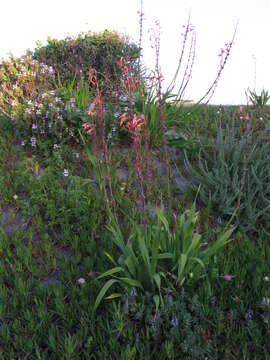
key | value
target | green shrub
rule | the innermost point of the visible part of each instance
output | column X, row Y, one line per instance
column 22, row 82
column 220, row 172
column 75, row 56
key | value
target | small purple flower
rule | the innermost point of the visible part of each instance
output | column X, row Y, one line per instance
column 33, row 141
column 23, row 143
column 219, row 221
column 55, row 146
column 249, row 314
column 213, row 300
column 228, row 277
column 174, row 321
column 65, row 173
column 34, row 126
column 152, row 322
column 133, row 293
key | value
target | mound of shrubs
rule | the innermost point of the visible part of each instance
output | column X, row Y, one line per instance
column 75, row 56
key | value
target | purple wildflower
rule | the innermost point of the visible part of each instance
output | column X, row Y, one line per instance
column 249, row 314
column 133, row 293
column 174, row 321
column 228, row 277
column 65, row 172
column 213, row 300
column 219, row 221
column 33, row 141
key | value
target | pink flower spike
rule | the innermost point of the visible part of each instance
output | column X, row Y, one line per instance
column 228, row 277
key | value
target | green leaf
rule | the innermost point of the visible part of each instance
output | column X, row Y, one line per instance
column 157, row 280
column 113, row 296
column 103, row 292
column 110, row 257
column 181, row 267
column 157, row 301
column 165, row 256
column 130, row 282
column 110, row 272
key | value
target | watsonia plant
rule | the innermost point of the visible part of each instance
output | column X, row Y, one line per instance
column 96, row 112
column 155, row 257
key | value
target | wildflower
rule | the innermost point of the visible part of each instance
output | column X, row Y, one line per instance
column 81, row 281
column 266, row 278
column 77, row 155
column 91, row 274
column 33, row 141
column 116, row 115
column 28, row 111
column 38, row 112
column 65, row 172
column 22, row 143
column 213, row 300
column 219, row 221
column 249, row 314
column 266, row 301
column 228, row 277
column 152, row 322
column 174, row 321
column 49, row 125
column 15, row 196
column 91, row 109
column 133, row 293
column 55, row 146
column 122, row 98
column 34, row 126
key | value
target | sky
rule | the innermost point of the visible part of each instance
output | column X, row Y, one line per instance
column 25, row 22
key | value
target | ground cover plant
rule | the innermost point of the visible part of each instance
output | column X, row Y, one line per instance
column 117, row 240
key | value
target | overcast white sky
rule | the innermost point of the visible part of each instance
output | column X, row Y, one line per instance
column 25, row 22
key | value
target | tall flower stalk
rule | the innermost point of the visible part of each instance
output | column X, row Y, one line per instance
column 136, row 123
column 96, row 109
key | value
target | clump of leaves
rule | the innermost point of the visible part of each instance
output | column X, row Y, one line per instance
column 156, row 256
column 76, row 55
column 219, row 173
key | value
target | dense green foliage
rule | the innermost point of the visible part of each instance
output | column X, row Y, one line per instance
column 223, row 184
column 75, row 56
column 83, row 186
